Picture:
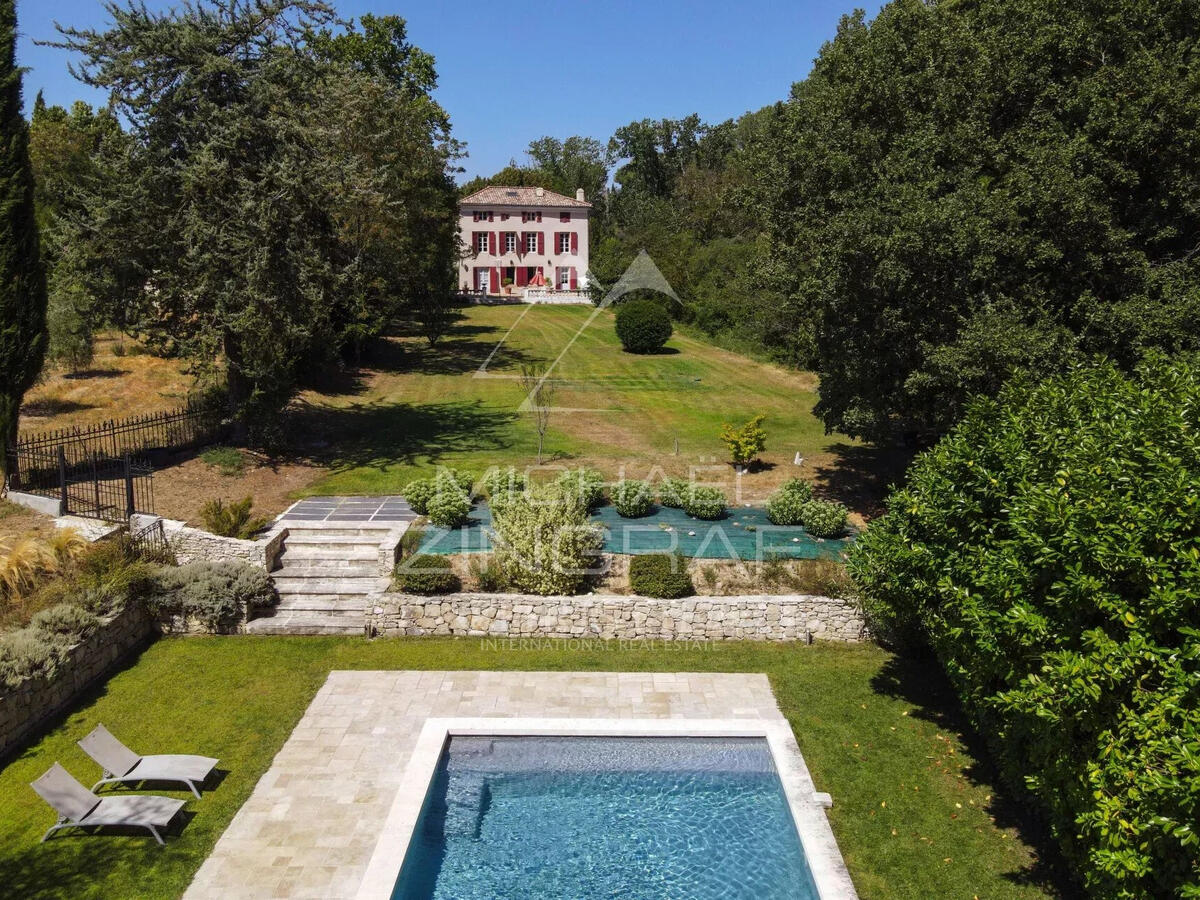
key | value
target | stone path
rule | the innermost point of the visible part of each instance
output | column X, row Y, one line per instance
column 312, row 823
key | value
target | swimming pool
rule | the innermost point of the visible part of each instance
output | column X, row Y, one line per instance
column 602, row 816
column 745, row 533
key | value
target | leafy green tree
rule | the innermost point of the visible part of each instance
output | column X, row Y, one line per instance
column 961, row 190
column 1046, row 549
column 276, row 170
column 22, row 279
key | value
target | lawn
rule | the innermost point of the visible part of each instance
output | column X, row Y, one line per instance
column 914, row 814
column 409, row 408
column 419, row 407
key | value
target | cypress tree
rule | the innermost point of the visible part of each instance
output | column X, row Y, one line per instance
column 22, row 279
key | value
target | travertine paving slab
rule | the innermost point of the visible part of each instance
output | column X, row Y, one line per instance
column 309, row 828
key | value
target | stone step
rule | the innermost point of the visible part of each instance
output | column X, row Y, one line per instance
column 285, row 584
column 308, row 568
column 333, row 605
column 376, row 534
column 306, row 623
column 325, row 555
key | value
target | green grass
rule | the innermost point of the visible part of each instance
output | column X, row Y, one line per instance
column 418, row 407
column 913, row 813
column 227, row 460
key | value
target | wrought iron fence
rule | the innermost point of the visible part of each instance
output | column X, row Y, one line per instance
column 87, row 483
column 188, row 426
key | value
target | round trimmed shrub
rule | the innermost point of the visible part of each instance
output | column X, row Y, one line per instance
column 545, row 543
column 643, row 326
column 503, row 481
column 704, row 502
column 418, row 494
column 449, row 508
column 426, row 574
column 583, row 484
column 672, row 492
column 786, row 505
column 632, row 499
column 464, row 478
column 823, row 518
column 662, row 575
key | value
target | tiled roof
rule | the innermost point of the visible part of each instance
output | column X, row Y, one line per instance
column 499, row 195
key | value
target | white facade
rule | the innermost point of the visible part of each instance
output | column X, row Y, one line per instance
column 515, row 238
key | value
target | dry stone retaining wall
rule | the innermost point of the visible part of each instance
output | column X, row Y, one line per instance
column 792, row 617
column 35, row 700
column 194, row 544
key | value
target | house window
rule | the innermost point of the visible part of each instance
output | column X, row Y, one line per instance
column 483, row 215
column 531, row 242
column 564, row 278
column 564, row 242
column 510, row 242
column 481, row 242
column 531, row 217
column 481, row 279
column 564, row 217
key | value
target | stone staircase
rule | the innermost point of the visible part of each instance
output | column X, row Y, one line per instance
column 326, row 575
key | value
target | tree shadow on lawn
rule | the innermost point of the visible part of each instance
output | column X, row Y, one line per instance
column 459, row 352
column 919, row 680
column 382, row 434
column 860, row 476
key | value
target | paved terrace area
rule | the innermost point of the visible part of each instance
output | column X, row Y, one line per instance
column 350, row 510
column 311, row 825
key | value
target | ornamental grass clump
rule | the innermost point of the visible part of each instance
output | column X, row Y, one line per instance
column 704, row 502
column 632, row 499
column 545, row 543
column 1046, row 551
column 584, row 484
column 823, row 518
column 786, row 505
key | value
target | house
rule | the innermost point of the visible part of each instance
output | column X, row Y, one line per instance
column 517, row 238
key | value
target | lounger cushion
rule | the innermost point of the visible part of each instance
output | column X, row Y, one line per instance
column 105, row 749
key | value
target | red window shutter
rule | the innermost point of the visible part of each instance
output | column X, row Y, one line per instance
column 575, row 242
column 495, row 280
column 491, row 216
column 541, row 242
column 492, row 243
column 564, row 217
column 539, row 215
column 522, row 276
column 574, row 281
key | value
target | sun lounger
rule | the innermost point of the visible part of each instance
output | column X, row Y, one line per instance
column 77, row 807
column 122, row 764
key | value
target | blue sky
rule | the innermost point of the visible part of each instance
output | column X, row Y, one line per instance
column 556, row 68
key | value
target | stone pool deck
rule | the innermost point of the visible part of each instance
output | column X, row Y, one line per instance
column 311, row 825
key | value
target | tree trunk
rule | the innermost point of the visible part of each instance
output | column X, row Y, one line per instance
column 237, row 392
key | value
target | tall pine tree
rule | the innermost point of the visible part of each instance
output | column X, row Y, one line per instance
column 22, row 280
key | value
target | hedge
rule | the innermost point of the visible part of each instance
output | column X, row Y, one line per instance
column 426, row 574
column 1048, row 551
column 660, row 575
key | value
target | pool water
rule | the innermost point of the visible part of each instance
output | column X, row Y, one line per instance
column 592, row 817
column 745, row 533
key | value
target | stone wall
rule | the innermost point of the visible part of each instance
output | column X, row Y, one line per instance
column 24, row 708
column 765, row 617
column 194, row 544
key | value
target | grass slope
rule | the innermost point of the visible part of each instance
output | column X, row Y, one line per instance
column 914, row 816
column 426, row 407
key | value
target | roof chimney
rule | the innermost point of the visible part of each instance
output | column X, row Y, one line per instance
column 579, row 194
column 540, row 192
